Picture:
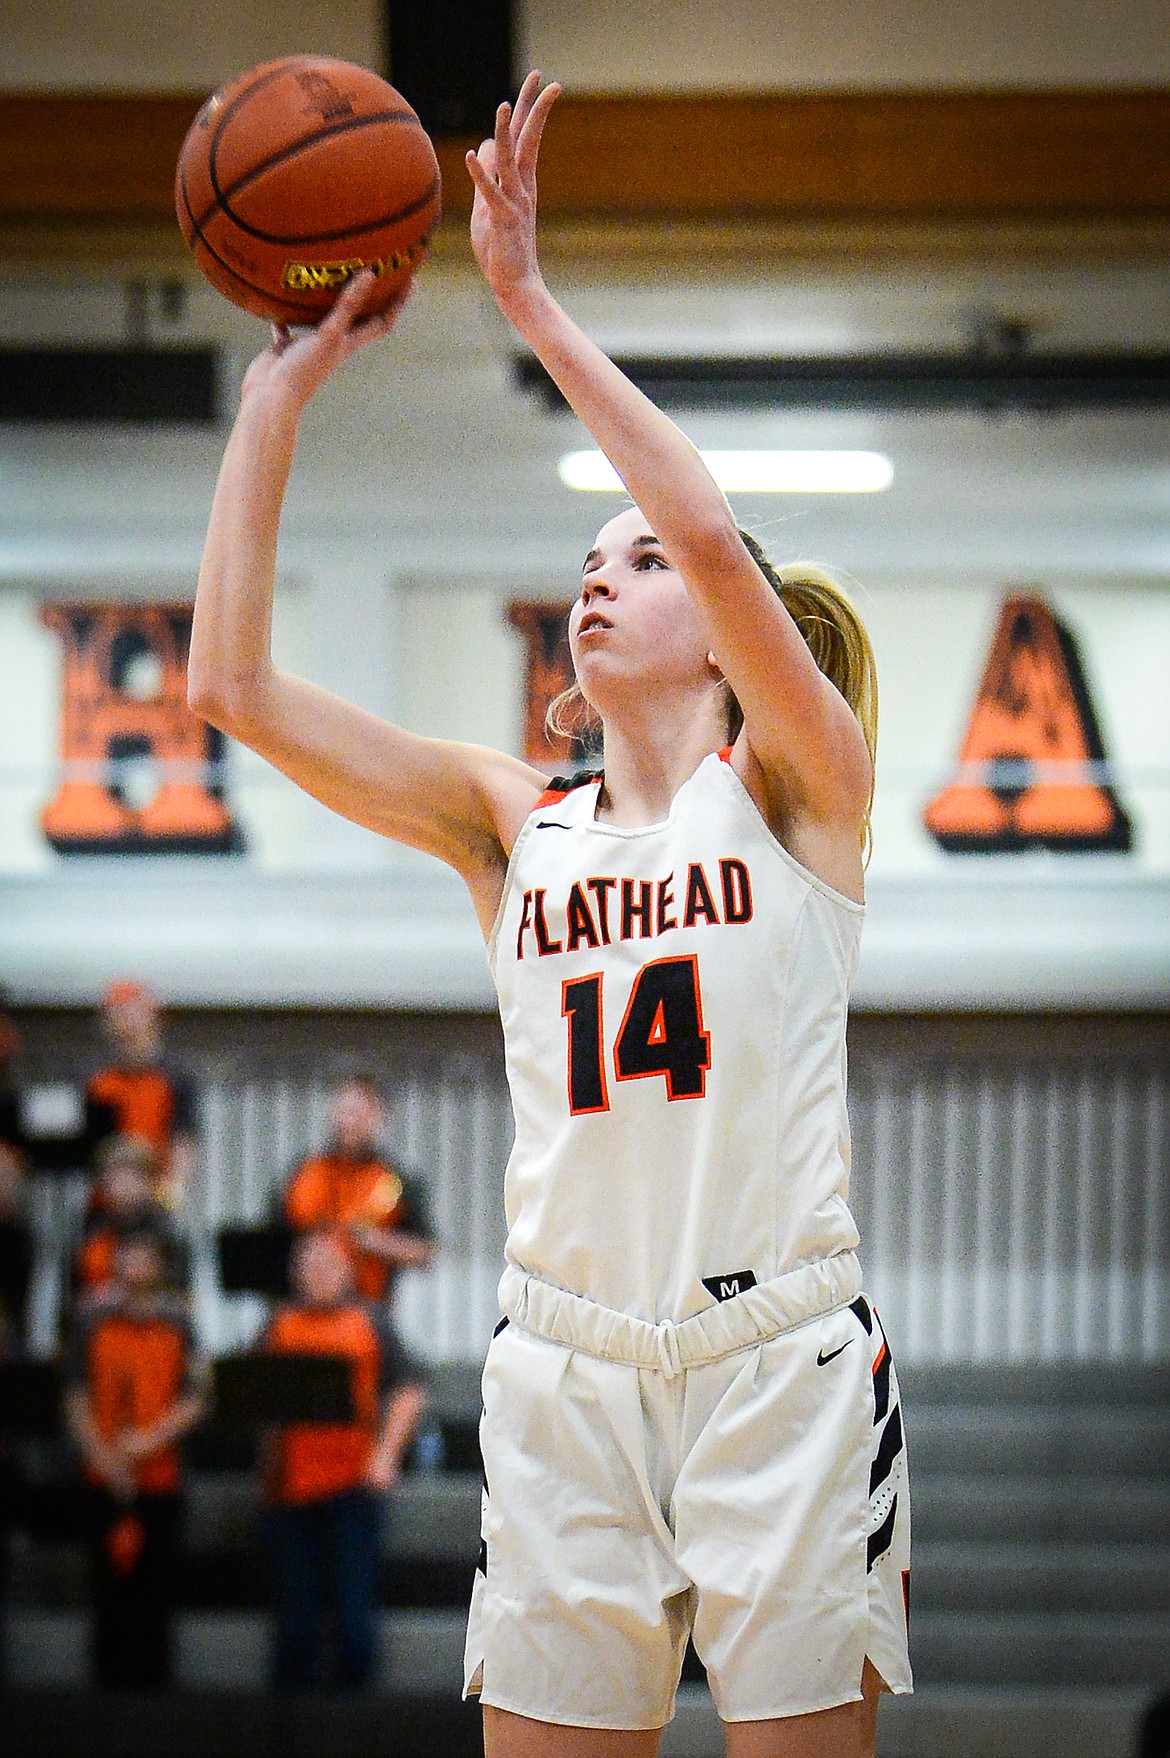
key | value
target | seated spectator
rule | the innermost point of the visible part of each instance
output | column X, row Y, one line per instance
column 124, row 1202
column 141, row 1092
column 327, row 1480
column 132, row 1392
column 355, row 1189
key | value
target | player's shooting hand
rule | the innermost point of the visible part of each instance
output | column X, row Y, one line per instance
column 298, row 363
column 503, row 215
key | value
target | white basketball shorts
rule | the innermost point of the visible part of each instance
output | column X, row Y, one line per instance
column 757, row 1501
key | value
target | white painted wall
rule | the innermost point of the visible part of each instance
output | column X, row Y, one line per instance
column 748, row 45
column 615, row 45
column 167, row 45
column 30, row 667
column 461, row 663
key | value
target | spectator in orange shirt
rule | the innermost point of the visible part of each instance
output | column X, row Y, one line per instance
column 124, row 1203
column 353, row 1188
column 132, row 1392
column 327, row 1481
column 141, row 1092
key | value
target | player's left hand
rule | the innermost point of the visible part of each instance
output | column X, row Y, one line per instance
column 503, row 215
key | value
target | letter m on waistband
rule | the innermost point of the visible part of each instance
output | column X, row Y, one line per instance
column 727, row 1287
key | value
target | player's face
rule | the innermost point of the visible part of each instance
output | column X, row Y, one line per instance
column 634, row 617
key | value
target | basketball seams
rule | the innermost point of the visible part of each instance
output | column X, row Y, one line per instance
column 223, row 198
column 234, row 105
column 225, row 114
column 354, row 232
column 259, row 83
column 295, row 312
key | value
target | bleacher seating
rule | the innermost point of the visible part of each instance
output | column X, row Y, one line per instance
column 1041, row 1577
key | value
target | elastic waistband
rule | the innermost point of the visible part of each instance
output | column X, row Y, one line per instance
column 754, row 1316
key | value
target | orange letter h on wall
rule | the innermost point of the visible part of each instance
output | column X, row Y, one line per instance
column 124, row 709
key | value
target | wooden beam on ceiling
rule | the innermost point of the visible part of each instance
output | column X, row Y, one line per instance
column 894, row 157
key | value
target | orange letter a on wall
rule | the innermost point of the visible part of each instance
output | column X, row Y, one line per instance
column 1031, row 763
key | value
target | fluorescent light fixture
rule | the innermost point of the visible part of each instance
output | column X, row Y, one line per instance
column 753, row 472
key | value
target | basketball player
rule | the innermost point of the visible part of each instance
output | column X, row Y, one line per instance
column 691, row 1423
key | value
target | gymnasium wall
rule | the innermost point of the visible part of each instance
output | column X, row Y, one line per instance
column 618, row 46
column 401, row 547
column 441, row 657
column 425, row 498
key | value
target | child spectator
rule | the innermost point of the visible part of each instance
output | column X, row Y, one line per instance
column 353, row 1188
column 140, row 1092
column 132, row 1392
column 327, row 1480
column 124, row 1203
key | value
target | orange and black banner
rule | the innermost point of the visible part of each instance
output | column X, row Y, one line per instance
column 141, row 774
column 544, row 628
column 1033, row 772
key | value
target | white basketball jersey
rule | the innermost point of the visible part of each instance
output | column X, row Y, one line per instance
column 673, row 1000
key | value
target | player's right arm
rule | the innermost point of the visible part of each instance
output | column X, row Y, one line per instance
column 462, row 803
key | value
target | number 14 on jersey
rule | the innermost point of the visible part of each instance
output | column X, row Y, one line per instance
column 661, row 1034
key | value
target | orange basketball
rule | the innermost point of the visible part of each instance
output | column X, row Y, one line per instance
column 299, row 174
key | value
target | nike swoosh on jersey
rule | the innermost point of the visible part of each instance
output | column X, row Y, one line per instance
column 822, row 1358
column 551, row 824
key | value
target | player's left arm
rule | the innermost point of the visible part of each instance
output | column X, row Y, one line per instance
column 797, row 727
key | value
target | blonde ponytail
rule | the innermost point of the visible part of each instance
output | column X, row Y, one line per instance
column 570, row 716
column 835, row 636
